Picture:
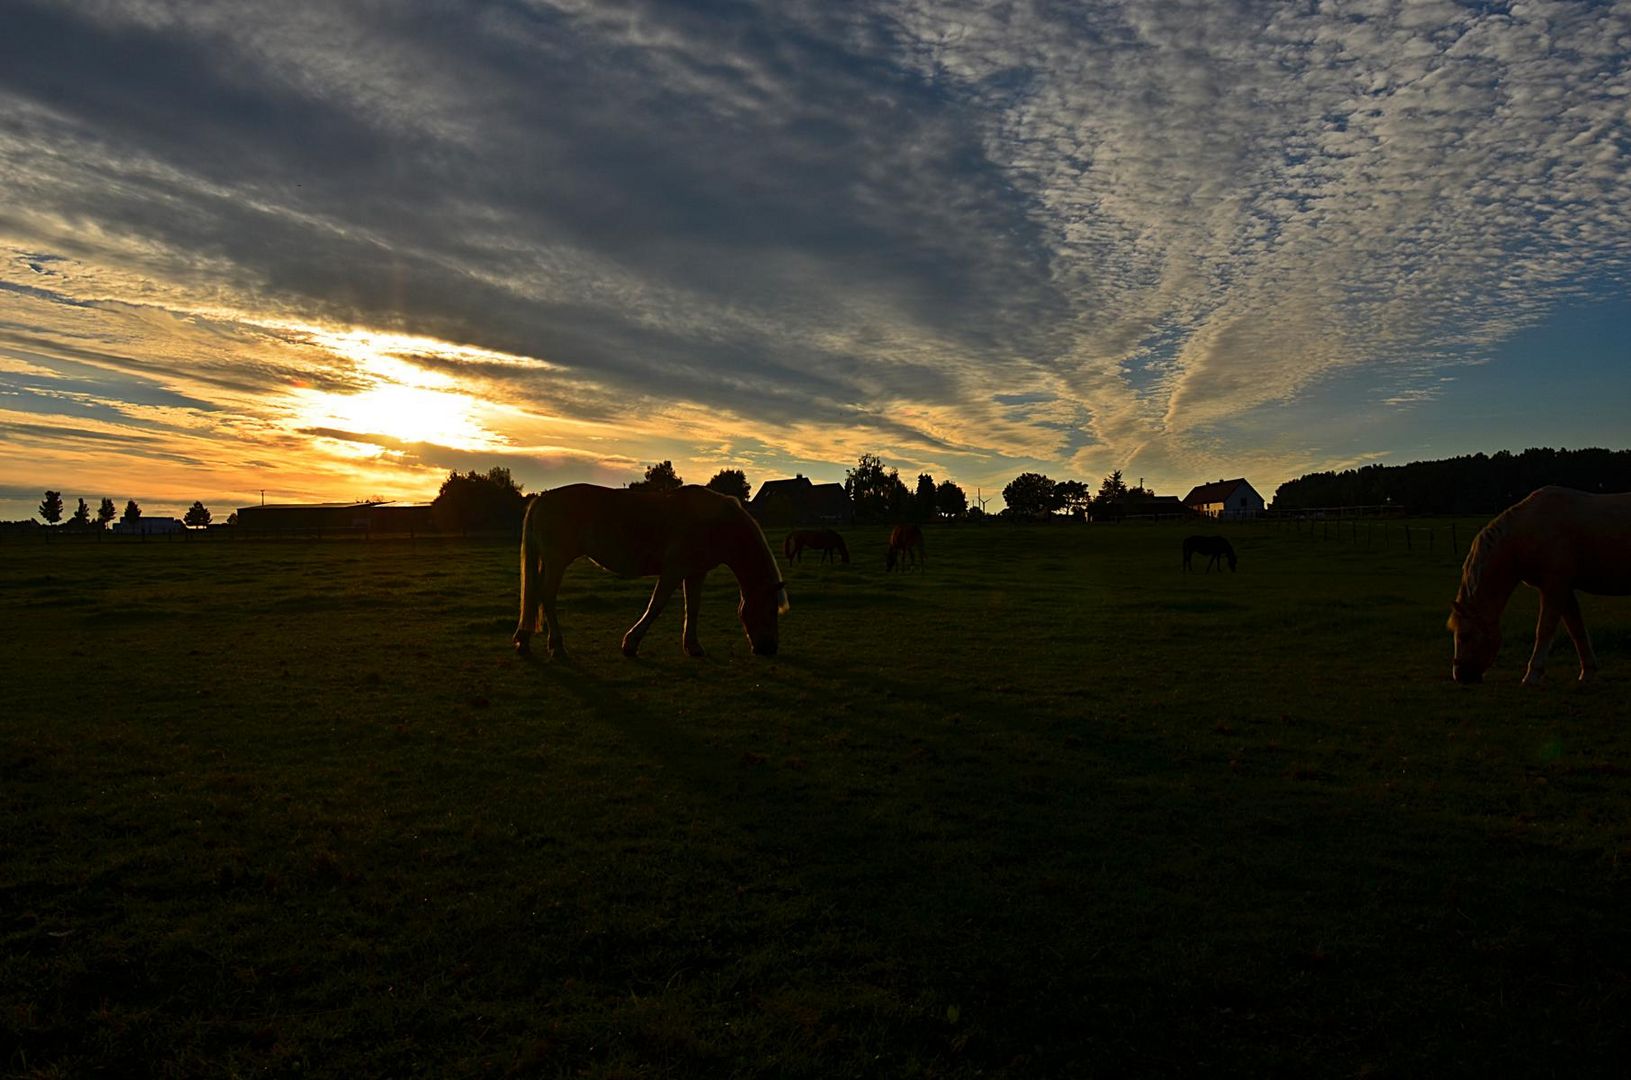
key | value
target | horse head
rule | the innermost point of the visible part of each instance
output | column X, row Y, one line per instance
column 1477, row 641
column 758, row 609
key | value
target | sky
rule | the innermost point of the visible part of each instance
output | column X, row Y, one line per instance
column 333, row 251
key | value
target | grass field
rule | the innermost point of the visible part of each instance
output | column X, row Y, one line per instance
column 1050, row 808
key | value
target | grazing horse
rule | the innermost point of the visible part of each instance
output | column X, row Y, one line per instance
column 825, row 540
column 1215, row 546
column 904, row 540
column 1556, row 541
column 678, row 536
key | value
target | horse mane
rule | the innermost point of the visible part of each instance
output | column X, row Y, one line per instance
column 1485, row 546
column 736, row 508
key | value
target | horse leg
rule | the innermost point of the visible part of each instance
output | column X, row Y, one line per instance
column 549, row 587
column 1575, row 624
column 693, row 608
column 659, row 597
column 1545, row 630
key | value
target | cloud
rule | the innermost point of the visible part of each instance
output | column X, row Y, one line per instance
column 980, row 237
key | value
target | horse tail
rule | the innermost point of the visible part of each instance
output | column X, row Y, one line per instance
column 532, row 556
column 787, row 547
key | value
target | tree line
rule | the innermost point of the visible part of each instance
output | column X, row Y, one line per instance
column 1469, row 484
column 83, row 518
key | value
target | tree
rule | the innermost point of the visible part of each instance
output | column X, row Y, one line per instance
column 1074, row 496
column 82, row 516
column 659, row 477
column 867, row 486
column 105, row 512
column 1031, row 495
column 477, row 501
column 51, row 507
column 950, row 500
column 730, row 482
column 133, row 512
column 197, row 516
column 923, row 508
column 1113, row 488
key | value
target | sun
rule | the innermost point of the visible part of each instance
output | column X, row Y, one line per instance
column 398, row 400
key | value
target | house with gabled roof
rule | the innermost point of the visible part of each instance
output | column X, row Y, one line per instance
column 1225, row 499
column 797, row 501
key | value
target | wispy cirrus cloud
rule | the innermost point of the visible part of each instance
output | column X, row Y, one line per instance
column 976, row 238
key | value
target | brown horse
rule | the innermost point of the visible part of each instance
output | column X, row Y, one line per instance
column 1556, row 541
column 678, row 536
column 907, row 541
column 1215, row 546
column 824, row 540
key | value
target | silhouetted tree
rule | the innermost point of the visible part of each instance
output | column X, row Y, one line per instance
column 132, row 514
column 1031, row 495
column 1470, row 484
column 477, row 501
column 950, row 500
column 730, row 482
column 82, row 516
column 659, row 477
column 1110, row 504
column 51, row 507
column 197, row 515
column 867, row 486
column 105, row 513
column 1074, row 496
column 923, row 506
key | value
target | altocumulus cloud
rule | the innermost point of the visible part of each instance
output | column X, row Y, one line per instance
column 975, row 237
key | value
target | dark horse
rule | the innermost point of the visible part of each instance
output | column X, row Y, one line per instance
column 1555, row 541
column 678, row 536
column 907, row 541
column 1215, row 546
column 825, row 540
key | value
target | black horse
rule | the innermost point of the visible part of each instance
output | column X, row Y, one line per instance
column 1215, row 546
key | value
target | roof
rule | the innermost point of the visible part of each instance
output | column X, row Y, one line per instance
column 796, row 487
column 1216, row 492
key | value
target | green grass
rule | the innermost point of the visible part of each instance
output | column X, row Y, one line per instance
column 1052, row 807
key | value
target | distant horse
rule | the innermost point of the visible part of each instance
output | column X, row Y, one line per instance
column 678, row 536
column 825, row 540
column 907, row 541
column 1556, row 541
column 1215, row 546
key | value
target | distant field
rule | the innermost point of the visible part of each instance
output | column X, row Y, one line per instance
column 1051, row 807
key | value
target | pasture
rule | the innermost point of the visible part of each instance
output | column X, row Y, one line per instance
column 1049, row 807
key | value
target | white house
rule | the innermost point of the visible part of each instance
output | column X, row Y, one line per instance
column 1225, row 499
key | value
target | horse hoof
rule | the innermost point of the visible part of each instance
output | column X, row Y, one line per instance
column 523, row 647
column 694, row 650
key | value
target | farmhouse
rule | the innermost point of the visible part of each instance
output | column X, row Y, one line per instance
column 1225, row 499
column 799, row 502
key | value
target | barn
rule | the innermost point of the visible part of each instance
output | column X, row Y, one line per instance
column 797, row 501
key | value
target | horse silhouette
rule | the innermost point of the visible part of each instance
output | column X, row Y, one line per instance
column 678, row 536
column 1215, row 546
column 825, row 540
column 1555, row 540
column 905, row 541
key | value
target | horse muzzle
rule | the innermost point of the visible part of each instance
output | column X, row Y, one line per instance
column 1466, row 676
column 764, row 648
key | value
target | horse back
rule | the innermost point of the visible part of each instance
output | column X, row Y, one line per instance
column 631, row 533
column 1575, row 538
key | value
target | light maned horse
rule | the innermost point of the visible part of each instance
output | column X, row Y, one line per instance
column 1556, row 540
column 1215, row 546
column 678, row 536
column 904, row 541
column 825, row 540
